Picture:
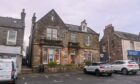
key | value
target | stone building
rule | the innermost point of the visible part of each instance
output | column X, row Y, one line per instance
column 117, row 45
column 11, row 38
column 52, row 40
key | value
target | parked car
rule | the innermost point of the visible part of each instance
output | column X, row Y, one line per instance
column 98, row 68
column 125, row 66
column 8, row 71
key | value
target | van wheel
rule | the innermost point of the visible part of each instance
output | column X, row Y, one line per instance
column 97, row 73
column 124, row 71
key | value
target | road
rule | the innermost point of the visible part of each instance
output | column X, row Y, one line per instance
column 77, row 78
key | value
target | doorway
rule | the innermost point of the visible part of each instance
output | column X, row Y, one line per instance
column 73, row 59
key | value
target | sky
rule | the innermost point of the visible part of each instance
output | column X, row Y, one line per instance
column 124, row 15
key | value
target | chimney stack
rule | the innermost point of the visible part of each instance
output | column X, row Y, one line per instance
column 34, row 18
column 23, row 14
column 109, row 28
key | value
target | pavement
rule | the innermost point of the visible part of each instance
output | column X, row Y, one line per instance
column 77, row 78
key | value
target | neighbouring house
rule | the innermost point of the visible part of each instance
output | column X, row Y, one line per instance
column 12, row 35
column 117, row 45
column 52, row 40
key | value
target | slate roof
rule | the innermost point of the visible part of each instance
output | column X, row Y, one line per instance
column 11, row 22
column 127, row 36
column 77, row 28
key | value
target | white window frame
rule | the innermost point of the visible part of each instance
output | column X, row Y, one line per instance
column 58, row 61
column 52, row 18
column 87, row 43
column 132, row 47
column 51, row 50
column 84, row 27
column 86, row 55
column 103, row 48
column 52, row 34
column 45, row 54
column 14, row 41
column 73, row 37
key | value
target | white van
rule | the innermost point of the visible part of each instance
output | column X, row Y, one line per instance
column 8, row 71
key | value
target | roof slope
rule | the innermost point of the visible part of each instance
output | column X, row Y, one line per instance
column 77, row 28
column 127, row 36
column 71, row 27
column 11, row 22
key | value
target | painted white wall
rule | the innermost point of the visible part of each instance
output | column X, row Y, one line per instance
column 10, row 49
column 19, row 63
column 137, row 45
column 125, row 47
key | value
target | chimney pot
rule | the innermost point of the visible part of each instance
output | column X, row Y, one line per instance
column 34, row 18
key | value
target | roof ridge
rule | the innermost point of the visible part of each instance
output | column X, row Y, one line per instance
column 71, row 24
column 127, row 36
column 90, row 30
column 74, row 25
column 127, row 33
column 9, row 17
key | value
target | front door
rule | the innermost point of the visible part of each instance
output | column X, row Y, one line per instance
column 72, row 59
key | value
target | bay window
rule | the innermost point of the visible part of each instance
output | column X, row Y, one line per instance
column 51, row 55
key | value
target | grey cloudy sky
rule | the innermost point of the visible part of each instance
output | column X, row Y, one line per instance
column 123, row 14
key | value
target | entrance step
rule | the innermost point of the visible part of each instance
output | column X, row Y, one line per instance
column 26, row 70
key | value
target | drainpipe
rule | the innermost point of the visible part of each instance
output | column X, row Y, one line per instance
column 108, row 48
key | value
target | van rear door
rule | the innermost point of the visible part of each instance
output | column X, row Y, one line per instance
column 5, row 70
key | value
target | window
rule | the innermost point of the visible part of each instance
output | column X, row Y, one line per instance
column 118, row 62
column 11, row 37
column 73, row 52
column 94, row 64
column 88, row 55
column 104, row 49
column 54, row 34
column 87, row 40
column 73, row 37
column 132, row 45
column 51, row 34
column 121, row 62
column 84, row 27
column 132, row 62
column 52, row 18
column 51, row 55
column 45, row 56
column 113, row 43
